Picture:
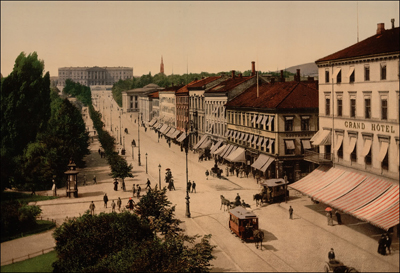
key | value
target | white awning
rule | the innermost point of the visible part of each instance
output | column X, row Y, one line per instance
column 246, row 137
column 306, row 144
column 164, row 127
column 271, row 141
column 266, row 140
column 219, row 150
column 266, row 165
column 215, row 146
column 239, row 155
column 351, row 70
column 228, row 146
column 260, row 140
column 383, row 151
column 250, row 137
column 264, row 121
column 206, row 144
column 234, row 134
column 337, row 70
column 239, row 135
column 338, row 142
column 171, row 132
column 315, row 136
column 181, row 137
column 177, row 132
column 202, row 139
column 255, row 139
column 260, row 162
column 352, row 144
column 229, row 151
column 366, row 148
column 289, row 144
column 271, row 118
column 324, row 138
column 227, row 133
column 260, row 117
column 254, row 118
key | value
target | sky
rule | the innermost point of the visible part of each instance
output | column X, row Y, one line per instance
column 193, row 36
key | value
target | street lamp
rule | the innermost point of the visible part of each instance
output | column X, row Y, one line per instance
column 111, row 115
column 133, row 144
column 146, row 163
column 187, row 172
column 120, row 129
column 138, row 132
column 159, row 175
column 285, row 178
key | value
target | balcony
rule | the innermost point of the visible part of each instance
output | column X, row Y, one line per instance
column 318, row 158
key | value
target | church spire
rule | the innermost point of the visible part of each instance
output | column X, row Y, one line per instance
column 162, row 65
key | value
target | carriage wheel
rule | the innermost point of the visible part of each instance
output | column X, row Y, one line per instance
column 352, row 269
column 326, row 268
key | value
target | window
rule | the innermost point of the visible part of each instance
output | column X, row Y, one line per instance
column 385, row 162
column 383, row 71
column 340, row 151
column 305, row 123
column 326, row 76
column 353, row 155
column 353, row 107
column 352, row 77
column 384, row 108
column 367, row 108
column 289, row 147
column 327, row 106
column 339, row 106
column 288, row 123
column 339, row 77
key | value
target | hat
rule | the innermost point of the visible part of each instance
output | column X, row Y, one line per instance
column 331, row 248
column 130, row 198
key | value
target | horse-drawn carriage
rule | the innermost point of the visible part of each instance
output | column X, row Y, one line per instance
column 274, row 190
column 337, row 266
column 244, row 224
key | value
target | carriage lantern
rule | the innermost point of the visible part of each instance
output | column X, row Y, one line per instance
column 72, row 180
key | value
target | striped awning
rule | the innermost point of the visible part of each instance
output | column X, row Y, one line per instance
column 176, row 133
column 266, row 165
column 202, row 139
column 255, row 139
column 366, row 197
column 171, row 132
column 163, row 128
column 215, row 146
column 239, row 155
column 261, row 161
column 206, row 144
column 219, row 150
column 152, row 122
column 181, row 137
column 159, row 125
column 229, row 151
column 166, row 131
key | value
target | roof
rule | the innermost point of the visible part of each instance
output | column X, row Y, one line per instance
column 242, row 213
column 282, row 95
column 204, row 81
column 229, row 84
column 383, row 43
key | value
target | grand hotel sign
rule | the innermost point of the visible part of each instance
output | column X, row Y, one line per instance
column 371, row 127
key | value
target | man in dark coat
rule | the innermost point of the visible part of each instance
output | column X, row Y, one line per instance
column 331, row 255
column 189, row 185
column 105, row 199
column 338, row 217
column 115, row 184
column 382, row 245
column 388, row 243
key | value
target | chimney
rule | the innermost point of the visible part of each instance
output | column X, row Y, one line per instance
column 253, row 68
column 392, row 23
column 298, row 75
column 272, row 80
column 202, row 77
column 233, row 74
column 240, row 75
column 310, row 79
column 195, row 79
column 381, row 28
column 282, row 77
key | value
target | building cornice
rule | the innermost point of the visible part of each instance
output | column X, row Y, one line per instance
column 361, row 59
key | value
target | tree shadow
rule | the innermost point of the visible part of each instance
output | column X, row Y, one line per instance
column 95, row 193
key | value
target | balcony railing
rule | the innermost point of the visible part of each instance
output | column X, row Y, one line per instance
column 318, row 158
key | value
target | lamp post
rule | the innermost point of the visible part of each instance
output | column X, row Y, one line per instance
column 285, row 178
column 146, row 163
column 111, row 115
column 187, row 172
column 159, row 175
column 138, row 132
column 120, row 129
column 133, row 144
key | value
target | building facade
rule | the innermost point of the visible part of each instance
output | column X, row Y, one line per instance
column 93, row 75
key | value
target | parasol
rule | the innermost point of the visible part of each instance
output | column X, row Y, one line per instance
column 328, row 209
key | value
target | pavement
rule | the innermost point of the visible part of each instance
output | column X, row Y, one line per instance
column 301, row 244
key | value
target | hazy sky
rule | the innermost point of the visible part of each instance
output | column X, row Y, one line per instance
column 208, row 36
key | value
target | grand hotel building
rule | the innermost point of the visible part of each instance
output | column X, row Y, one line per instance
column 358, row 135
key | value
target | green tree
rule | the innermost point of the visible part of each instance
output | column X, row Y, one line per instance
column 119, row 167
column 25, row 110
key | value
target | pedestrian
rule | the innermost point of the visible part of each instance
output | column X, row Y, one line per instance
column 189, row 185
column 123, row 185
column 193, row 186
column 94, row 179
column 91, row 207
column 130, row 203
column 84, row 179
column 237, row 200
column 99, row 150
column 331, row 255
column 382, row 245
column 148, row 184
column 329, row 218
column 119, row 203
column 115, row 184
column 237, row 172
column 105, row 199
column 290, row 212
column 207, row 174
column 388, row 243
column 54, row 188
column 138, row 191
column 338, row 217
column 133, row 190
column 112, row 206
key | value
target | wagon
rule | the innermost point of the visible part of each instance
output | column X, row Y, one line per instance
column 243, row 223
column 275, row 189
column 337, row 266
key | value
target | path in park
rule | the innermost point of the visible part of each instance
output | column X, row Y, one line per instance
column 301, row 244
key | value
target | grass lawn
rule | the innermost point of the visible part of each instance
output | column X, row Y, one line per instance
column 42, row 225
column 23, row 197
column 41, row 263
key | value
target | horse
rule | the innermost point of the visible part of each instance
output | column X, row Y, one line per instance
column 258, row 198
column 225, row 202
column 258, row 237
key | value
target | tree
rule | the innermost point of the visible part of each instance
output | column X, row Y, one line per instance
column 119, row 167
column 25, row 110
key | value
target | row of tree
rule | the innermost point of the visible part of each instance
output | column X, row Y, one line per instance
column 40, row 132
column 148, row 240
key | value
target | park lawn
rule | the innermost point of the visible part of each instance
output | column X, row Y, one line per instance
column 41, row 263
column 42, row 225
column 23, row 197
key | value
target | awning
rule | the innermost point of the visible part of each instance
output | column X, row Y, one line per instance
column 228, row 146
column 202, row 139
column 266, row 165
column 366, row 148
column 259, row 119
column 244, row 135
column 239, row 155
column 260, row 140
column 366, row 197
column 181, row 137
column 271, row 118
column 171, row 132
column 215, row 146
column 166, row 131
column 264, row 121
column 163, row 128
column 254, row 118
column 306, row 144
column 255, row 139
column 261, row 160
column 383, row 151
column 351, row 70
column 177, row 132
column 159, row 126
column 266, row 140
column 206, row 144
column 271, row 141
column 315, row 136
column 229, row 151
column 337, row 70
column 289, row 144
column 338, row 142
column 352, row 144
column 239, row 136
column 250, row 137
column 219, row 150
column 227, row 133
column 152, row 122
column 155, row 124
column 324, row 138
